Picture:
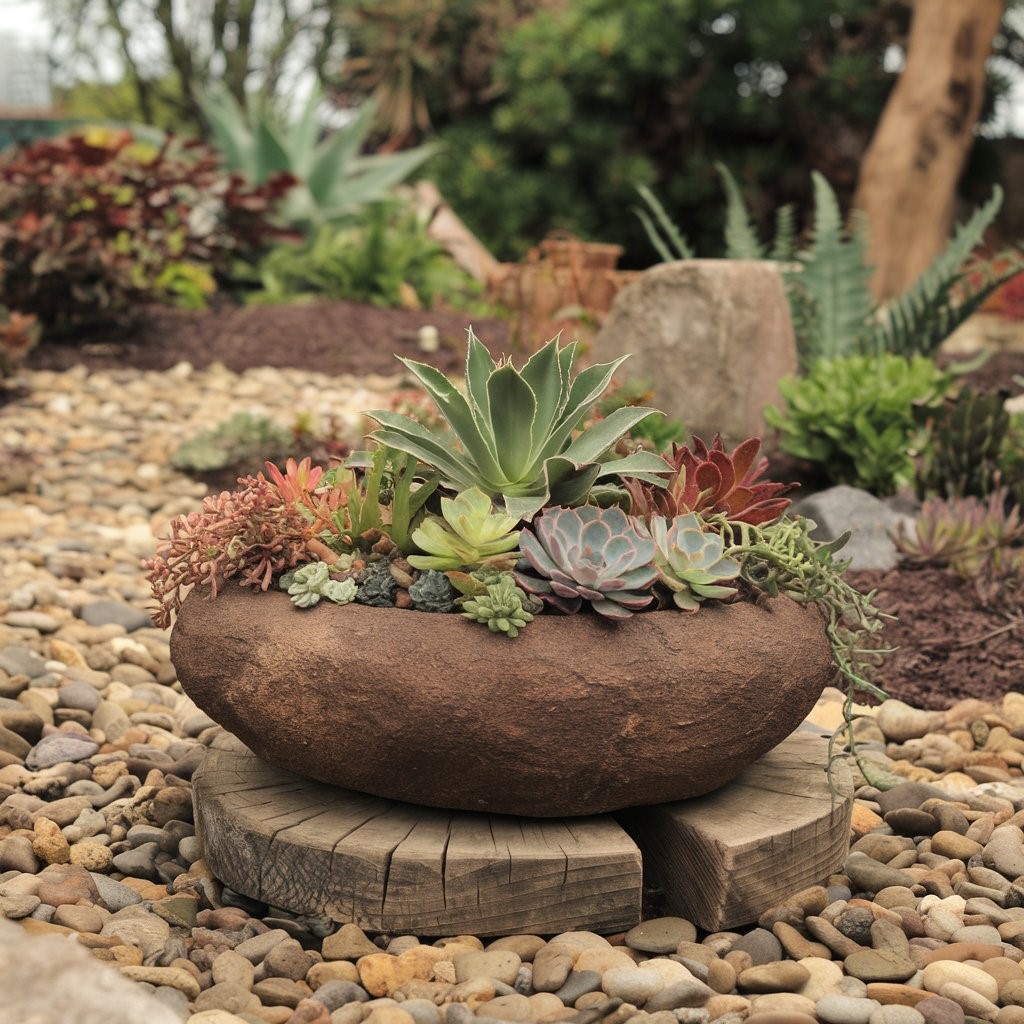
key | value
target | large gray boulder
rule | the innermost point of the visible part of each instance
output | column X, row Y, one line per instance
column 711, row 337
column 871, row 522
column 53, row 980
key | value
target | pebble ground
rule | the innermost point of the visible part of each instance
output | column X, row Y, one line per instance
column 925, row 922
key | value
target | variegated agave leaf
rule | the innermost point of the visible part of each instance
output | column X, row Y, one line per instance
column 515, row 428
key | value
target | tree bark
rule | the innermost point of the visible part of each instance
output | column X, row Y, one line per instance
column 909, row 175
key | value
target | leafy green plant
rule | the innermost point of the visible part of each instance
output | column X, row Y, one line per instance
column 855, row 416
column 94, row 224
column 468, row 534
column 243, row 442
column 970, row 447
column 501, row 606
column 828, row 284
column 334, row 178
column 366, row 497
column 19, row 334
column 515, row 429
column 384, row 256
column 691, row 561
column 598, row 555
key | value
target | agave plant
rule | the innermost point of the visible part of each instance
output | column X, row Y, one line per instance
column 712, row 480
column 592, row 554
column 335, row 180
column 515, row 429
column 691, row 561
column 470, row 534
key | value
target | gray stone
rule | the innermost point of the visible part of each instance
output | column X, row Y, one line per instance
column 660, row 935
column 21, row 661
column 760, row 945
column 102, row 613
column 845, row 1009
column 48, row 979
column 712, row 336
column 58, row 748
column 579, row 983
column 870, row 521
column 115, row 895
column 335, row 994
column 79, row 695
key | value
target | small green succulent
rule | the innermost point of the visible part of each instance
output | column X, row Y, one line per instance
column 502, row 607
column 515, row 428
column 691, row 561
column 469, row 534
column 377, row 586
column 600, row 555
column 310, row 582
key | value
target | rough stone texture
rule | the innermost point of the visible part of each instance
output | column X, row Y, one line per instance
column 50, row 980
column 871, row 521
column 433, row 710
column 713, row 337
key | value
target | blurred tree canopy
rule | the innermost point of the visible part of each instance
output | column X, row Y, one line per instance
column 166, row 50
column 551, row 111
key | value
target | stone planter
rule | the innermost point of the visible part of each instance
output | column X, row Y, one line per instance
column 575, row 716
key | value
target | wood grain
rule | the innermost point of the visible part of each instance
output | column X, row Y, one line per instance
column 393, row 867
column 723, row 859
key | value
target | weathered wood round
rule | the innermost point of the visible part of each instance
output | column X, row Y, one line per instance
column 720, row 860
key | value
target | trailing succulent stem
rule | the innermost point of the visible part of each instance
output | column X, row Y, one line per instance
column 782, row 558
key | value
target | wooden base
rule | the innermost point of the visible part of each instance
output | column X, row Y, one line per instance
column 392, row 867
column 782, row 825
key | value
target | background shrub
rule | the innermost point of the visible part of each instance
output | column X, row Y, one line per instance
column 94, row 223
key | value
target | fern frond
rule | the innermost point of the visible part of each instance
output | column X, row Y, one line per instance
column 920, row 319
column 834, row 282
column 784, row 245
column 664, row 235
column 741, row 242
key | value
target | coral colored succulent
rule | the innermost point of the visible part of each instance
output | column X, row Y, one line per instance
column 249, row 533
column 712, row 480
column 599, row 555
column 298, row 481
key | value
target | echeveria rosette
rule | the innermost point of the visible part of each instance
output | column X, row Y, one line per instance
column 599, row 555
column 515, row 428
column 690, row 561
column 470, row 534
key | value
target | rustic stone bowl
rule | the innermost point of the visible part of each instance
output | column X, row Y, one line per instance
column 577, row 715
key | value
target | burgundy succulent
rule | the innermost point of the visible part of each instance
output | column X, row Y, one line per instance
column 712, row 480
column 599, row 555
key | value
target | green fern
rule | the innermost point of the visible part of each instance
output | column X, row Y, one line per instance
column 741, row 242
column 924, row 316
column 832, row 282
column 663, row 233
column 784, row 245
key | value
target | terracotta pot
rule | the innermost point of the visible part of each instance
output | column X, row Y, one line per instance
column 577, row 715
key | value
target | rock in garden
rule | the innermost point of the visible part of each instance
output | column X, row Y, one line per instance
column 713, row 336
column 59, row 747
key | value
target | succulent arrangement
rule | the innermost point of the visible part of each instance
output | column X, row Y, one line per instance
column 522, row 503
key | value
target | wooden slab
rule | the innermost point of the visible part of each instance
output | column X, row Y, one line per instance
column 394, row 867
column 723, row 859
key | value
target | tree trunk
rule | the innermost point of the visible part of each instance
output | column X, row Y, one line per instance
column 908, row 178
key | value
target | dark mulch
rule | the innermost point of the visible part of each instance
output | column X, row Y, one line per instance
column 949, row 646
column 327, row 337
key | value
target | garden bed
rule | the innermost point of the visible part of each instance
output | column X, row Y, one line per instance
column 949, row 646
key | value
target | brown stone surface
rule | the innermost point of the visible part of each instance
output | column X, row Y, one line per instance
column 575, row 716
column 712, row 337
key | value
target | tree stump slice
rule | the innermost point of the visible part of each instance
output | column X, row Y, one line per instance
column 395, row 867
column 723, row 859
